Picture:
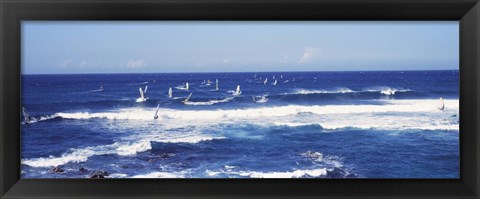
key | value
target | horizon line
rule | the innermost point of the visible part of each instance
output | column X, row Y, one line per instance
column 237, row 72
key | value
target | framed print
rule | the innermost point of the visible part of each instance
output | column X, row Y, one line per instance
column 239, row 99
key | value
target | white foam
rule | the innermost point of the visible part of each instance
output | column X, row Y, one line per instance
column 379, row 123
column 337, row 90
column 141, row 99
column 387, row 114
column 386, row 90
column 313, row 154
column 176, row 126
column 262, row 99
column 294, row 174
column 117, row 175
column 404, row 106
column 126, row 148
column 380, row 89
column 132, row 149
column 319, row 157
column 94, row 91
column 212, row 173
column 211, row 102
column 285, row 174
column 78, row 155
column 41, row 118
column 193, row 139
column 184, row 86
column 160, row 175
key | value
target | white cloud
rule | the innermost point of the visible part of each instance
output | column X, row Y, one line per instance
column 87, row 64
column 309, row 53
column 65, row 63
column 136, row 63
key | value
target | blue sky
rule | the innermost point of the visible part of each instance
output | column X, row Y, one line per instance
column 156, row 47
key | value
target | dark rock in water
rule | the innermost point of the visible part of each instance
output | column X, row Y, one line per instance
column 98, row 174
column 166, row 155
column 57, row 169
column 132, row 166
column 339, row 173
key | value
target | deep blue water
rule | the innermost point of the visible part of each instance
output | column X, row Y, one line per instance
column 311, row 124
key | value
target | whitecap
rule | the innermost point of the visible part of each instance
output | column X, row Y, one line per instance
column 76, row 156
column 120, row 148
column 160, row 175
column 211, row 102
column 385, row 90
column 333, row 91
column 385, row 114
column 301, row 173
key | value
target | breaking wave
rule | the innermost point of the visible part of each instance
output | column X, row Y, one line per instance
column 301, row 173
column 399, row 106
column 381, row 89
column 119, row 148
column 386, row 90
column 338, row 90
column 388, row 114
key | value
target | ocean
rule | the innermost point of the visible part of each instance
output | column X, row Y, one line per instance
column 372, row 124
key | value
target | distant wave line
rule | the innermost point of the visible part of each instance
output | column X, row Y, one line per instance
column 343, row 90
column 276, row 111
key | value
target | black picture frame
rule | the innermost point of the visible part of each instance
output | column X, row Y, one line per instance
column 12, row 12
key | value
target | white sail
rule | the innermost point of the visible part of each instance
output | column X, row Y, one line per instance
column 441, row 106
column 281, row 76
column 275, row 83
column 145, row 91
column 186, row 86
column 273, row 77
column 156, row 112
column 142, row 95
column 238, row 91
column 216, row 84
column 255, row 76
column 266, row 80
column 26, row 116
column 209, row 83
column 188, row 98
column 170, row 92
